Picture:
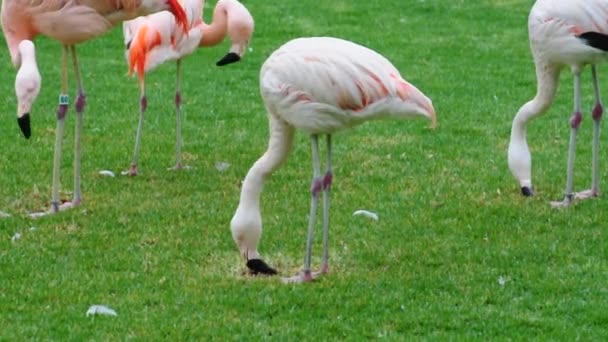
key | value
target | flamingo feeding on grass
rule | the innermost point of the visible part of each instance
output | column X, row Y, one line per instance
column 70, row 23
column 157, row 38
column 562, row 33
column 318, row 85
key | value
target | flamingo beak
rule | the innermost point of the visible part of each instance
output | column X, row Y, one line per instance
column 24, row 124
column 231, row 57
column 237, row 49
column 180, row 15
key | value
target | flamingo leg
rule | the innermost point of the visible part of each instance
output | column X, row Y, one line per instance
column 80, row 104
column 61, row 112
column 317, row 185
column 597, row 113
column 575, row 122
column 327, row 180
column 178, row 115
column 143, row 104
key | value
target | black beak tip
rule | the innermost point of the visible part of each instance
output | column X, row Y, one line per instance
column 527, row 191
column 24, row 124
column 230, row 58
column 258, row 266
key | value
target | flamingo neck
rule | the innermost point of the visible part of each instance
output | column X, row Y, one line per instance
column 547, row 80
column 215, row 32
column 16, row 30
column 252, row 187
column 279, row 145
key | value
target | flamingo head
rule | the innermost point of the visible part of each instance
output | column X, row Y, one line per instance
column 416, row 102
column 240, row 29
column 27, row 85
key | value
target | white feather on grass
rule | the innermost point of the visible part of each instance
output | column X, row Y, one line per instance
column 107, row 173
column 101, row 310
column 366, row 213
column 222, row 166
column 16, row 237
column 38, row 214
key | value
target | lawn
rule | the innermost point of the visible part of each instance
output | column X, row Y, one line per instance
column 457, row 252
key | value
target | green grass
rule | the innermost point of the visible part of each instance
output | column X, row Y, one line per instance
column 158, row 249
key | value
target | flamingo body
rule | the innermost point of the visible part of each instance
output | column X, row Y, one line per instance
column 319, row 85
column 339, row 84
column 565, row 33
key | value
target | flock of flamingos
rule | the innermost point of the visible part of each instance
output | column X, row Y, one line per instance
column 319, row 85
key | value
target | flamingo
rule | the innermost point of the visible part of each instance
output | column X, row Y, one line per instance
column 70, row 23
column 320, row 85
column 156, row 38
column 562, row 33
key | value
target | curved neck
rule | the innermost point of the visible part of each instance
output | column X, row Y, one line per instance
column 215, row 32
column 16, row 28
column 253, row 185
column 547, row 77
column 279, row 146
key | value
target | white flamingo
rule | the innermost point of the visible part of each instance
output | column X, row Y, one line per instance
column 319, row 85
column 562, row 33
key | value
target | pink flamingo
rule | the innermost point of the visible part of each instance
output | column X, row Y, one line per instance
column 562, row 33
column 70, row 23
column 156, row 38
column 318, row 85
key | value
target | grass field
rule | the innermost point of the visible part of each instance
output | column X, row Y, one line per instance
column 457, row 252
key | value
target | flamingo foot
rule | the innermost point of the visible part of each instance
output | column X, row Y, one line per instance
column 132, row 172
column 568, row 200
column 259, row 266
column 55, row 209
column 301, row 277
column 179, row 166
column 587, row 194
column 68, row 205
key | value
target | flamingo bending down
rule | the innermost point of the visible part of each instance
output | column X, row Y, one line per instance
column 319, row 85
column 156, row 38
column 565, row 33
column 70, row 23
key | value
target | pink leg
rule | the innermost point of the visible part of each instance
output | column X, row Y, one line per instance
column 178, row 131
column 317, row 185
column 56, row 204
column 143, row 104
column 61, row 112
column 178, row 116
column 598, row 111
column 575, row 122
column 327, row 180
column 80, row 104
